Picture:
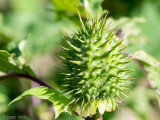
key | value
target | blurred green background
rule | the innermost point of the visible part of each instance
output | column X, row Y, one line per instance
column 35, row 27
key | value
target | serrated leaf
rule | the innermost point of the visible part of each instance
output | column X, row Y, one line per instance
column 8, row 64
column 146, row 58
column 59, row 101
column 152, row 67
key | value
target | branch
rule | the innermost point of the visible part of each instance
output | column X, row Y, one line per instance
column 141, row 67
column 29, row 77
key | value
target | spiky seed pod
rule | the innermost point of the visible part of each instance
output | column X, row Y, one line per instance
column 96, row 73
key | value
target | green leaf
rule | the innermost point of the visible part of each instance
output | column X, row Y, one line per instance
column 152, row 67
column 10, row 64
column 66, row 5
column 59, row 101
column 146, row 59
column 7, row 64
column 89, row 8
column 69, row 6
column 93, row 7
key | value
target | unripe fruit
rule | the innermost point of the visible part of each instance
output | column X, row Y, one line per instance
column 96, row 73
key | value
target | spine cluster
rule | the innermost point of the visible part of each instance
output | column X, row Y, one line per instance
column 96, row 69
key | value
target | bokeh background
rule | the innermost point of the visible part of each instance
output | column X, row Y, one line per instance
column 41, row 23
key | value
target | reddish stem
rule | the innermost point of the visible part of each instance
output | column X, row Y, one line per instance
column 29, row 77
column 140, row 66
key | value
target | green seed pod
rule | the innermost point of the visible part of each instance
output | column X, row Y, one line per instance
column 96, row 73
